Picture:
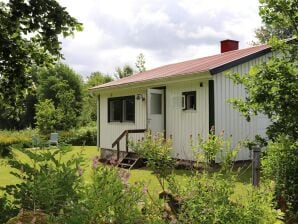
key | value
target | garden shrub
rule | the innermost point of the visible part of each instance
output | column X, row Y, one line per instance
column 157, row 151
column 280, row 163
column 107, row 199
column 10, row 138
column 49, row 184
column 7, row 209
column 81, row 136
column 209, row 199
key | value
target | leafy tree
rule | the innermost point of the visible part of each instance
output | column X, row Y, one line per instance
column 29, row 32
column 46, row 118
column 272, row 87
column 125, row 71
column 264, row 33
column 140, row 64
column 89, row 101
column 97, row 78
column 280, row 19
column 65, row 88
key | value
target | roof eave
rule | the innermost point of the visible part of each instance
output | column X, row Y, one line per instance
column 195, row 75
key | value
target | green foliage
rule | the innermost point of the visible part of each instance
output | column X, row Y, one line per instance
column 20, row 114
column 279, row 20
column 97, row 78
column 108, row 199
column 215, row 147
column 208, row 199
column 280, row 164
column 157, row 151
column 88, row 114
column 46, row 116
column 10, row 138
column 280, row 14
column 82, row 136
column 29, row 36
column 125, row 71
column 272, row 89
column 62, row 89
column 210, row 147
column 140, row 64
column 7, row 209
column 48, row 184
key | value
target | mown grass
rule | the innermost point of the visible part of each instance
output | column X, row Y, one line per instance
column 137, row 175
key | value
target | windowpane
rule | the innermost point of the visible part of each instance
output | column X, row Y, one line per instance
column 156, row 103
column 191, row 101
column 115, row 110
column 129, row 109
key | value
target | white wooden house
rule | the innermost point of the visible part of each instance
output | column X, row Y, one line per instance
column 181, row 100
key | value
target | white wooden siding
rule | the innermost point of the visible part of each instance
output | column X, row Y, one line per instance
column 229, row 119
column 109, row 131
column 182, row 124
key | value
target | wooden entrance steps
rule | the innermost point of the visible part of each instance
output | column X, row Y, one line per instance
column 129, row 161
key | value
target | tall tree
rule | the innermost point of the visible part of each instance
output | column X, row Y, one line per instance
column 140, row 64
column 97, row 78
column 279, row 20
column 29, row 32
column 89, row 102
column 64, row 88
column 272, row 87
column 125, row 71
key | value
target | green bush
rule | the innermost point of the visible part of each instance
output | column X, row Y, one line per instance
column 107, row 199
column 49, row 184
column 280, row 163
column 7, row 209
column 10, row 138
column 209, row 199
column 157, row 151
column 81, row 136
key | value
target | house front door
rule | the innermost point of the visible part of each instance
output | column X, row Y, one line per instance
column 155, row 111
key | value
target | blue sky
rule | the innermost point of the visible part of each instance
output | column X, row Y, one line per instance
column 165, row 31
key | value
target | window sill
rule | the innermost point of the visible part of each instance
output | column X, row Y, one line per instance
column 189, row 110
column 121, row 122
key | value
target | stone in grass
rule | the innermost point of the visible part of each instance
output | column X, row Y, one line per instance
column 29, row 217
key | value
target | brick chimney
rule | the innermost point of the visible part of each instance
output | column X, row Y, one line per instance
column 228, row 45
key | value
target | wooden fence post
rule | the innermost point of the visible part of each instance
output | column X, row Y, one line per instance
column 256, row 164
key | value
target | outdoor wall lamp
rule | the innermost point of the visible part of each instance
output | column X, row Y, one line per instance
column 140, row 97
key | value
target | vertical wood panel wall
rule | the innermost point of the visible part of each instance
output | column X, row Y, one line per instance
column 183, row 123
column 229, row 119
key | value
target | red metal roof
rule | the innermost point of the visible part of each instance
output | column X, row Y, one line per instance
column 213, row 64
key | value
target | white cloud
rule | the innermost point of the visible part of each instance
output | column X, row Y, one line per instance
column 166, row 31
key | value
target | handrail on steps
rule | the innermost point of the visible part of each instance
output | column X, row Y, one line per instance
column 125, row 133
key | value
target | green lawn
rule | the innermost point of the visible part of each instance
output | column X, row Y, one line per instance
column 137, row 175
